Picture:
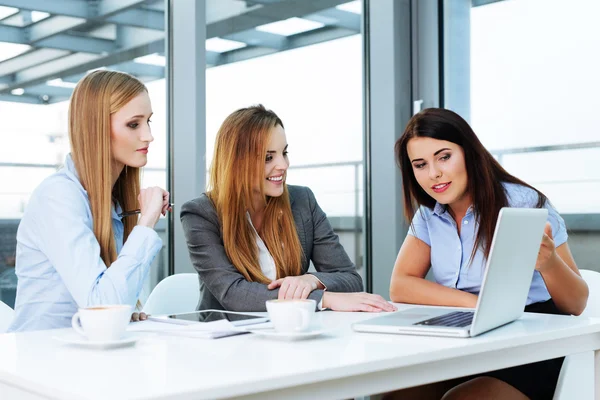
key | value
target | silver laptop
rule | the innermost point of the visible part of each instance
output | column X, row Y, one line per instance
column 504, row 290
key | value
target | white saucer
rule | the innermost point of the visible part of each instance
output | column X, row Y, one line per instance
column 78, row 340
column 288, row 335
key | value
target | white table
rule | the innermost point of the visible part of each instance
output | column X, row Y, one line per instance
column 341, row 364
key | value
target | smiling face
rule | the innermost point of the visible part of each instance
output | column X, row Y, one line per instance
column 130, row 132
column 439, row 168
column 276, row 162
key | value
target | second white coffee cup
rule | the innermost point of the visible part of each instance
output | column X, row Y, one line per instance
column 102, row 323
column 289, row 316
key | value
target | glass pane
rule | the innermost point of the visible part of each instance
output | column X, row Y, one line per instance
column 534, row 85
column 555, row 179
column 315, row 87
column 36, row 83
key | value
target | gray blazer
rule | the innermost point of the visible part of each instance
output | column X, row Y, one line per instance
column 223, row 287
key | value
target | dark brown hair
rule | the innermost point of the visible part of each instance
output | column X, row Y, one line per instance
column 485, row 175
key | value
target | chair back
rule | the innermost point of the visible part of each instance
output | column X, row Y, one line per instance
column 576, row 379
column 592, row 278
column 175, row 294
column 6, row 316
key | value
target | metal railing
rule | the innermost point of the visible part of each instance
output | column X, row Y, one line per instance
column 539, row 149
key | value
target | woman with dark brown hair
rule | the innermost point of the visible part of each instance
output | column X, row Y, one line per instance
column 453, row 191
column 251, row 237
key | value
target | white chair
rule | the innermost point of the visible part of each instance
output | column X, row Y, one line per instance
column 175, row 294
column 6, row 316
column 576, row 379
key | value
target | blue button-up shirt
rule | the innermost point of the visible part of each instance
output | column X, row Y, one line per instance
column 58, row 262
column 451, row 251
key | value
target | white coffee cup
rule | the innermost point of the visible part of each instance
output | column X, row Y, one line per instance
column 102, row 323
column 290, row 316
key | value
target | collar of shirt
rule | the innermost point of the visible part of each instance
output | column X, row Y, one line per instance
column 441, row 211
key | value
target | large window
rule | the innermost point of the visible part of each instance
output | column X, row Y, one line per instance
column 534, row 80
column 45, row 48
column 315, row 86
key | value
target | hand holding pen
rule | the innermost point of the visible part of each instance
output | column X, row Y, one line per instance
column 154, row 201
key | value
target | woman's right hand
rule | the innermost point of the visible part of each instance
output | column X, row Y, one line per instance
column 356, row 302
column 152, row 203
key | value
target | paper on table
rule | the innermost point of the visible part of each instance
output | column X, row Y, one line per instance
column 206, row 330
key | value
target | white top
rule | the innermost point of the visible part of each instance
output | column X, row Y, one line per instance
column 175, row 367
column 266, row 261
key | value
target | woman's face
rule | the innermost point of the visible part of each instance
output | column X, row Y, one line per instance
column 276, row 162
column 439, row 168
column 130, row 132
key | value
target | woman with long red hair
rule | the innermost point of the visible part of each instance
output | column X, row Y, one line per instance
column 251, row 236
column 74, row 249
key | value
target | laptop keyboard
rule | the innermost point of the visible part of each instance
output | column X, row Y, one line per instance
column 457, row 319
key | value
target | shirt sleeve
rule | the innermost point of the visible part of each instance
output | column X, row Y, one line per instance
column 418, row 227
column 559, row 229
column 320, row 304
column 522, row 196
column 65, row 236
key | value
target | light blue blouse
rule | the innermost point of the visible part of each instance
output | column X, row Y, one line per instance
column 451, row 252
column 58, row 262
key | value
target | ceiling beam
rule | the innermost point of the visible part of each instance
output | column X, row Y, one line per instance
column 140, row 69
column 477, row 3
column 51, row 26
column 303, row 39
column 48, row 90
column 30, row 59
column 12, row 34
column 49, row 70
column 23, row 17
column 142, row 18
column 252, row 37
column 266, row 14
column 71, row 8
column 119, row 12
column 77, row 43
column 107, row 8
column 79, row 63
column 213, row 58
column 137, row 42
column 335, row 17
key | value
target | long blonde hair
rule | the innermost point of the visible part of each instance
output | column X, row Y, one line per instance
column 237, row 169
column 95, row 98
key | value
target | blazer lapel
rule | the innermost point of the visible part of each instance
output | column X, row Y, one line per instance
column 301, row 229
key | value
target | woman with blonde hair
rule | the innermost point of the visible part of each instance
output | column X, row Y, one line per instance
column 74, row 249
column 251, row 237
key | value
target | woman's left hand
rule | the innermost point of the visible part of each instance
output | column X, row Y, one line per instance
column 295, row 287
column 138, row 317
column 547, row 249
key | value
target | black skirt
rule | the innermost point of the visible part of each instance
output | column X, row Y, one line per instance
column 537, row 380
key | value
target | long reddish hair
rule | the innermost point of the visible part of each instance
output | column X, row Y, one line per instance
column 236, row 172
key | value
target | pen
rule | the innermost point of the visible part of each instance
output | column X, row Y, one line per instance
column 133, row 212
